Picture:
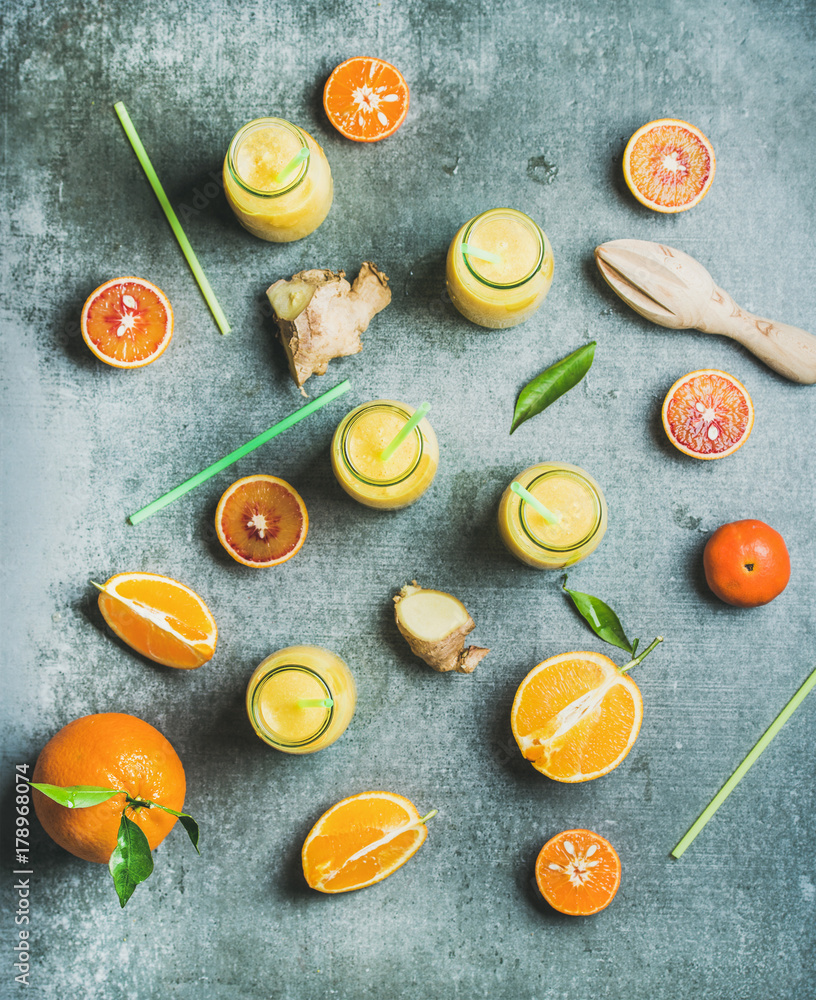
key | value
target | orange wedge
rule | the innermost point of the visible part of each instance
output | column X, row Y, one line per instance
column 578, row 872
column 127, row 322
column 576, row 716
column 708, row 414
column 261, row 521
column 366, row 99
column 669, row 165
column 362, row 840
column 159, row 618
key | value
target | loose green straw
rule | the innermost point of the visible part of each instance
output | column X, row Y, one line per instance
column 175, row 225
column 390, row 448
column 746, row 765
column 473, row 251
column 292, row 165
column 550, row 516
column 245, row 449
column 314, row 702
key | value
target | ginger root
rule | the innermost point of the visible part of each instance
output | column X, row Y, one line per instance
column 320, row 316
column 435, row 625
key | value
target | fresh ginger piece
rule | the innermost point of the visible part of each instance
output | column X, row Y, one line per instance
column 435, row 624
column 290, row 298
column 320, row 316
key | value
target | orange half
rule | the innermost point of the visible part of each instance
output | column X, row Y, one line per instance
column 127, row 322
column 261, row 521
column 576, row 716
column 708, row 414
column 159, row 618
column 578, row 872
column 669, row 165
column 362, row 840
column 366, row 99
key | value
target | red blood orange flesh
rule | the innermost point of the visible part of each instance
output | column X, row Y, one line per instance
column 127, row 322
column 261, row 521
column 669, row 165
column 708, row 414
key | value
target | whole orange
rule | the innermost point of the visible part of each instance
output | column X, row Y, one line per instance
column 110, row 750
column 746, row 563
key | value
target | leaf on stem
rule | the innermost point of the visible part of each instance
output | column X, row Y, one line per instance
column 601, row 618
column 77, row 796
column 552, row 383
column 131, row 861
column 186, row 821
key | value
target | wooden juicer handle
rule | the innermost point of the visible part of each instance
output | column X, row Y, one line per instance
column 787, row 349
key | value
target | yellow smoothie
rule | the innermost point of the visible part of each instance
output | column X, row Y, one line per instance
column 287, row 678
column 506, row 292
column 571, row 494
column 279, row 211
column 360, row 439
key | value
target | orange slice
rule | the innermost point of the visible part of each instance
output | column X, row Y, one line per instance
column 362, row 840
column 578, row 872
column 127, row 322
column 261, row 521
column 159, row 618
column 669, row 165
column 708, row 414
column 366, row 99
column 576, row 716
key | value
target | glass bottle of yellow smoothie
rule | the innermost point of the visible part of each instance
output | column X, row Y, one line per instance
column 355, row 454
column 279, row 211
column 301, row 699
column 504, row 292
column 569, row 493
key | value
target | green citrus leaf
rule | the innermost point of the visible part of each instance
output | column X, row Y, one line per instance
column 601, row 618
column 552, row 383
column 77, row 796
column 131, row 861
column 186, row 821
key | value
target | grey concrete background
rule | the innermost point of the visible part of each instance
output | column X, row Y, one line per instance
column 512, row 103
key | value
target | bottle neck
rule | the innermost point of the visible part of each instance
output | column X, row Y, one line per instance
column 275, row 713
column 584, row 512
column 285, row 131
column 359, row 448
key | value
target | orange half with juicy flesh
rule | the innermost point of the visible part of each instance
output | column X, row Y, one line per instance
column 159, row 618
column 362, row 840
column 576, row 716
column 708, row 414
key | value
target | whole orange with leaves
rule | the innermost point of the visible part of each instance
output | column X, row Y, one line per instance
column 111, row 750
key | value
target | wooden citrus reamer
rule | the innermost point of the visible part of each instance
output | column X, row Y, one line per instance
column 672, row 289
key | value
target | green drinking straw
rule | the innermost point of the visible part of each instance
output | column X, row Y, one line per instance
column 550, row 516
column 245, row 449
column 175, row 225
column 473, row 251
column 746, row 765
column 292, row 165
column 314, row 703
column 390, row 448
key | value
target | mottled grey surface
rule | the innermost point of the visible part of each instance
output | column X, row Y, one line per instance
column 513, row 102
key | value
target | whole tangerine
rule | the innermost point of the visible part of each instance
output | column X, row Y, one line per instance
column 746, row 563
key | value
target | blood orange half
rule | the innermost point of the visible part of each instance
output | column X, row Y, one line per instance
column 261, row 521
column 366, row 99
column 669, row 165
column 708, row 414
column 127, row 322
